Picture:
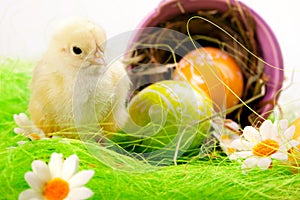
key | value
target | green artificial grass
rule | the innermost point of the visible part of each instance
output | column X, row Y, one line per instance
column 120, row 177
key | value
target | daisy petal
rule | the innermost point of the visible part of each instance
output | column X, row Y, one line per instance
column 241, row 144
column 293, row 143
column 81, row 178
column 267, row 129
column 30, row 194
column 233, row 125
column 70, row 167
column 251, row 134
column 249, row 163
column 289, row 133
column 80, row 193
column 41, row 170
column 17, row 119
column 280, row 156
column 56, row 164
column 264, row 163
column 21, row 142
column 23, row 118
column 283, row 148
column 283, row 124
column 18, row 130
column 242, row 154
column 33, row 181
column 288, row 146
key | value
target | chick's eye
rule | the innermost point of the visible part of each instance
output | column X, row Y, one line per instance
column 76, row 50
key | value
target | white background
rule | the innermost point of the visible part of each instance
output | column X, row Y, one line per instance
column 26, row 25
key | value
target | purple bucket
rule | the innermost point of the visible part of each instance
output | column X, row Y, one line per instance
column 269, row 48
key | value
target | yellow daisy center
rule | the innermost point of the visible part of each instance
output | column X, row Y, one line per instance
column 56, row 189
column 230, row 150
column 265, row 148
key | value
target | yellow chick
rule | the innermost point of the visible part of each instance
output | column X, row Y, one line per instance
column 72, row 88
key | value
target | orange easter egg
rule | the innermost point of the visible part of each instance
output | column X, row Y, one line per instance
column 215, row 72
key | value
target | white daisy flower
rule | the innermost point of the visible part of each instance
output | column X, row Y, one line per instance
column 226, row 142
column 27, row 127
column 230, row 133
column 58, row 180
column 229, row 130
column 258, row 148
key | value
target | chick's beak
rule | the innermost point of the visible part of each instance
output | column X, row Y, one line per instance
column 97, row 58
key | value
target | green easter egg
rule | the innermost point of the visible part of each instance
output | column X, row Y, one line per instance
column 169, row 116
